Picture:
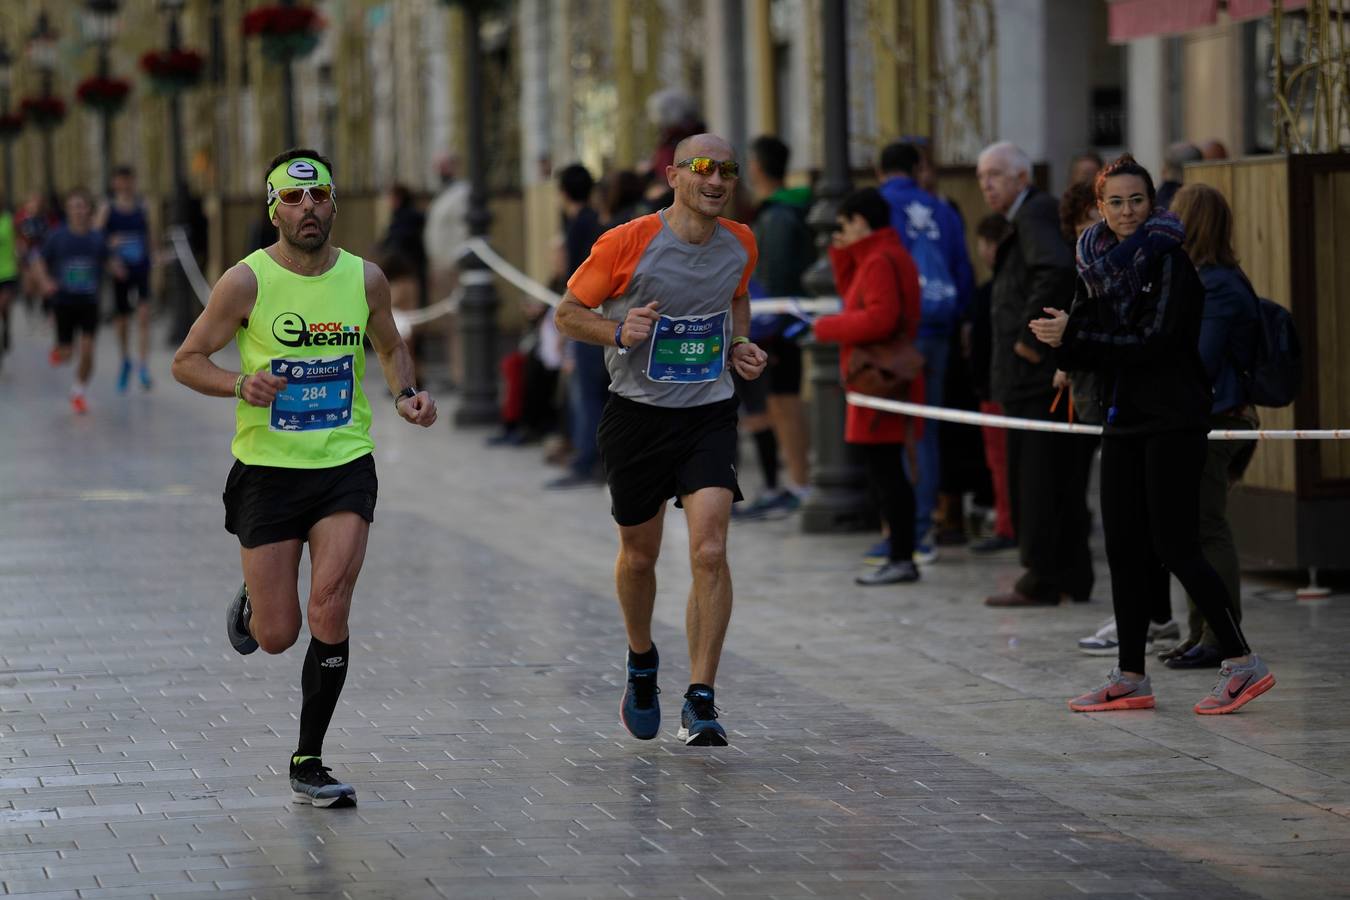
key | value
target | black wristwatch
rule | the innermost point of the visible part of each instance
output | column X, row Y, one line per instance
column 404, row 394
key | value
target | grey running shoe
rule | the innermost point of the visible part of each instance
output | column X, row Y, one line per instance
column 236, row 623
column 901, row 571
column 1238, row 686
column 1105, row 641
column 1119, row 692
column 311, row 783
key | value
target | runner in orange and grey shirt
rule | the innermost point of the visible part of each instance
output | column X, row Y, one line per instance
column 673, row 309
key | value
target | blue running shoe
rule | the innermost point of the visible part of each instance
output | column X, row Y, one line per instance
column 124, row 376
column 311, row 783
column 878, row 553
column 698, row 721
column 146, row 381
column 236, row 623
column 640, row 711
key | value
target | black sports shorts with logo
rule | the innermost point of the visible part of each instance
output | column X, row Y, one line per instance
column 652, row 453
column 269, row 504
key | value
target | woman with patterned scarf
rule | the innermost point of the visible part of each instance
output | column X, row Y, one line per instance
column 1136, row 322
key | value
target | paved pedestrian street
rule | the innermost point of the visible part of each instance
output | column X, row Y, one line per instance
column 885, row 742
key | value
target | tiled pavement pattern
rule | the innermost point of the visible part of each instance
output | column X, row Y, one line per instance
column 884, row 743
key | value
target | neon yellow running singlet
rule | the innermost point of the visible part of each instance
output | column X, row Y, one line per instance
column 307, row 329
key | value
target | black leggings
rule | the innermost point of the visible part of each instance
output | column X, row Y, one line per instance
column 1151, row 512
column 885, row 464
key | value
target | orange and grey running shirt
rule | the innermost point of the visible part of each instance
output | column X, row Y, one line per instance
column 685, row 361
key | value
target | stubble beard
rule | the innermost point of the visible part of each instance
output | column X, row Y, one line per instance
column 308, row 243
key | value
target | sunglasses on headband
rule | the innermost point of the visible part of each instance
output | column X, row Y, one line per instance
column 293, row 196
column 704, row 165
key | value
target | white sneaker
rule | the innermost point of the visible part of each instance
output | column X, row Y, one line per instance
column 1106, row 641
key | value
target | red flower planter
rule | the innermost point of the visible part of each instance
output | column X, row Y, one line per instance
column 287, row 32
column 44, row 112
column 103, row 94
column 171, row 71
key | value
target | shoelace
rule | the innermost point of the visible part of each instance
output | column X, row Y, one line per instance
column 703, row 706
column 313, row 772
column 644, row 687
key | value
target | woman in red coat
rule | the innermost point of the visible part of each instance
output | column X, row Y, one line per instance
column 880, row 287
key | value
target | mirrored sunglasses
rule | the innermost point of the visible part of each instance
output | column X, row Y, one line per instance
column 319, row 193
column 705, row 165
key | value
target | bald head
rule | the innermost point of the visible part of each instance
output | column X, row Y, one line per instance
column 704, row 145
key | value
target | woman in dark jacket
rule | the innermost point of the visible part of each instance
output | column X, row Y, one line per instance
column 1136, row 322
column 1229, row 331
column 880, row 286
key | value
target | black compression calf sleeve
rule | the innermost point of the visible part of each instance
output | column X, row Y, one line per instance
column 320, row 685
column 766, row 445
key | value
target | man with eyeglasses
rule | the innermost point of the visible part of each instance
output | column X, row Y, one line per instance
column 304, row 471
column 667, row 296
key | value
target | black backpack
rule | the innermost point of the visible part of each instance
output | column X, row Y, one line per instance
column 1277, row 370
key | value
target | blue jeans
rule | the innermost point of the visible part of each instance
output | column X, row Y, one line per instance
column 587, row 391
column 935, row 350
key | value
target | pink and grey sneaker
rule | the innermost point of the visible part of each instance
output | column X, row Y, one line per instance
column 1238, row 685
column 1119, row 692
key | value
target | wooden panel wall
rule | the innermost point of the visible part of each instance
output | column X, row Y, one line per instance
column 1258, row 191
column 1331, row 238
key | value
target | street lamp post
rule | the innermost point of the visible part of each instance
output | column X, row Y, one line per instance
column 101, row 28
column 185, row 303
column 6, row 80
column 478, row 308
column 838, row 500
column 42, row 52
column 288, row 94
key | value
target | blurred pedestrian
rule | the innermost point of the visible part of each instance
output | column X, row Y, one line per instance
column 1174, row 169
column 621, row 198
column 403, row 235
column 1229, row 337
column 70, row 271
column 1048, row 473
column 772, row 408
column 588, row 380
column 443, row 238
column 9, row 270
column 1136, row 320
column 934, row 236
column 990, row 234
column 879, row 284
column 1084, row 168
column 125, row 223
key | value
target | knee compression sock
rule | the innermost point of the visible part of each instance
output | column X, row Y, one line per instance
column 320, row 685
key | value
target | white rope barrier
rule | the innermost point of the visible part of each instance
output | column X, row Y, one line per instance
column 408, row 319
column 966, row 417
column 181, row 249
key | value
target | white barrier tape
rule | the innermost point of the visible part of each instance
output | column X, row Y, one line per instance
column 480, row 248
column 802, row 307
column 408, row 319
column 200, row 286
column 966, row 417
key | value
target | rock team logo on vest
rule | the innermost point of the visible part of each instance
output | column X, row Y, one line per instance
column 291, row 330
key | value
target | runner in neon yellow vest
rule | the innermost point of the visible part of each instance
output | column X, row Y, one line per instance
column 299, row 311
column 9, row 270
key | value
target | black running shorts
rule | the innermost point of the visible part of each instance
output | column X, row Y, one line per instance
column 137, row 280
column 269, row 504
column 73, row 317
column 652, row 453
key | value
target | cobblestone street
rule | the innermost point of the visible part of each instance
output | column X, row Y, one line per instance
column 885, row 742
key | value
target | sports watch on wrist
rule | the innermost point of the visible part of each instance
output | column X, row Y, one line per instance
column 404, row 394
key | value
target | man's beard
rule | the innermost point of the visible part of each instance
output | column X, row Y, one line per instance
column 309, row 242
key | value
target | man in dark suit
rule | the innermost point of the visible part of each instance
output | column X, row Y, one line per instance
column 1047, row 472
